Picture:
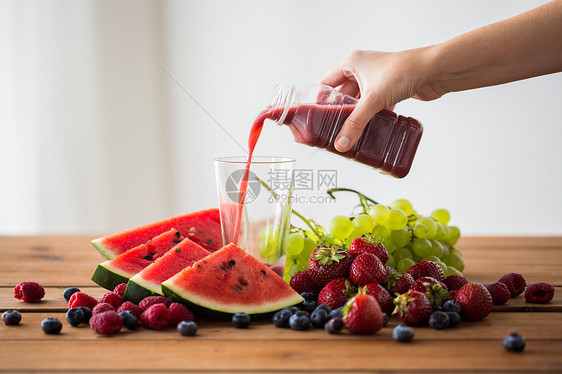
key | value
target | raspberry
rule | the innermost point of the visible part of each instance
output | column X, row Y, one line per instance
column 29, row 292
column 81, row 299
column 178, row 313
column 106, row 323
column 455, row 282
column 515, row 283
column 147, row 302
column 301, row 282
column 539, row 293
column 120, row 289
column 155, row 317
column 500, row 293
column 102, row 308
column 112, row 299
column 133, row 308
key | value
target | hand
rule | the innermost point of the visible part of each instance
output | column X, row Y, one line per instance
column 379, row 80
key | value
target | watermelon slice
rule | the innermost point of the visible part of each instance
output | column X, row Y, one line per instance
column 202, row 227
column 110, row 273
column 230, row 281
column 148, row 281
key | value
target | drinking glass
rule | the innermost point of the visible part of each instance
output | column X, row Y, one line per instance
column 266, row 210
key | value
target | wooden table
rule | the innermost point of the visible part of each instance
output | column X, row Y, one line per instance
column 58, row 262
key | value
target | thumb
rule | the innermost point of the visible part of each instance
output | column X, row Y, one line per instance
column 366, row 108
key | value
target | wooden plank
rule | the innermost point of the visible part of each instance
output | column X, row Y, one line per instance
column 512, row 241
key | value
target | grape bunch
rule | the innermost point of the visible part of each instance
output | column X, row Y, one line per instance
column 408, row 236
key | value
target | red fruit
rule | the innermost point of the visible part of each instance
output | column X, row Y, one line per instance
column 29, row 292
column 419, row 285
column 301, row 282
column 106, row 323
column 381, row 295
column 436, row 292
column 156, row 317
column 398, row 283
column 390, row 269
column 539, row 293
column 112, row 299
column 453, row 293
column 147, row 302
column 133, row 308
column 475, row 301
column 499, row 292
column 413, row 308
column 367, row 268
column 367, row 244
column 326, row 264
column 120, row 289
column 427, row 269
column 362, row 315
column 455, row 282
column 102, row 308
column 178, row 313
column 81, row 299
column 515, row 283
column 336, row 293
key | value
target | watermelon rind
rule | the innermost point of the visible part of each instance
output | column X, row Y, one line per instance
column 101, row 249
column 135, row 292
column 109, row 277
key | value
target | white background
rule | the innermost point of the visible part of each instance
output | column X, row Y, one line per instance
column 97, row 137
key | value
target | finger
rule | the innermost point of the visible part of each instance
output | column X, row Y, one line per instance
column 334, row 77
column 349, row 87
column 351, row 130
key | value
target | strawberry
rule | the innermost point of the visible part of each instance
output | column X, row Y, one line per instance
column 499, row 292
column 362, row 315
column 398, row 283
column 455, row 282
column 515, row 283
column 301, row 282
column 424, row 283
column 326, row 264
column 368, row 244
column 413, row 308
column 381, row 295
column 367, row 268
column 336, row 293
column 475, row 301
column 436, row 292
column 427, row 269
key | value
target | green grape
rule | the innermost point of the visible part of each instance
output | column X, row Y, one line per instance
column 380, row 213
column 417, row 258
column 364, row 223
column 432, row 258
column 421, row 230
column 397, row 219
column 421, row 247
column 391, row 261
column 452, row 270
column 441, row 215
column 340, row 227
column 430, row 224
column 440, row 234
column 456, row 250
column 308, row 247
column 403, row 252
column 326, row 240
column 401, row 237
column 437, row 249
column 442, row 264
column 454, row 260
column 455, row 234
column 390, row 246
column 354, row 235
column 380, row 232
column 269, row 239
column 404, row 264
column 289, row 263
column 404, row 205
column 295, row 244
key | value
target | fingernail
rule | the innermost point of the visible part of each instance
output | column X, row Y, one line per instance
column 343, row 142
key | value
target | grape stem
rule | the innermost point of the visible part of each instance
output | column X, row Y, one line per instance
column 364, row 200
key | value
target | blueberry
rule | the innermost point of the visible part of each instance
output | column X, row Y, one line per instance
column 384, row 319
column 241, row 320
column 69, row 292
column 403, row 333
column 51, row 326
column 299, row 322
column 318, row 318
column 311, row 296
column 334, row 325
column 292, row 309
column 75, row 316
column 454, row 319
column 281, row 318
column 87, row 313
column 325, row 307
column 302, row 313
column 514, row 342
column 308, row 306
column 439, row 320
column 130, row 321
column 186, row 328
column 11, row 317
column 336, row 313
column 451, row 306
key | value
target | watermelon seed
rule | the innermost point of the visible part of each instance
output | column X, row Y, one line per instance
column 204, row 261
column 231, row 263
column 243, row 282
column 238, row 288
column 199, row 266
column 178, row 250
column 209, row 241
column 177, row 234
column 149, row 257
column 263, row 272
column 176, row 241
column 223, row 267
